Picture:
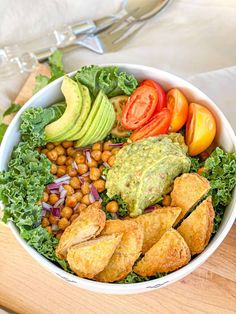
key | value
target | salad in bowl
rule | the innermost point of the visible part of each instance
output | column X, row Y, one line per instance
column 119, row 176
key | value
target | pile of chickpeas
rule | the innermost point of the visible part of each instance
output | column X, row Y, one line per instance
column 63, row 155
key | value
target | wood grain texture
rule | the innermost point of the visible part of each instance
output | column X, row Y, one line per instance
column 26, row 287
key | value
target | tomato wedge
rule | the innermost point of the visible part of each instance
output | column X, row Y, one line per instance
column 139, row 107
column 159, row 124
column 162, row 101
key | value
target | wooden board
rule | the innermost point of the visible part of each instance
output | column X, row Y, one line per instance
column 26, row 287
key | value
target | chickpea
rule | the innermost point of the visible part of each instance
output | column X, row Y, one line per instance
column 112, row 207
column 66, row 212
column 61, row 160
column 78, row 195
column 71, row 201
column 67, row 144
column 101, row 168
column 38, row 149
column 99, row 185
column 45, row 197
column 111, row 160
column 97, row 146
column 73, row 217
column 115, row 150
column 59, row 234
column 60, row 150
column 80, row 159
column 61, row 171
column 79, row 153
column 63, row 223
column 53, row 198
column 72, row 172
column 52, row 155
column 85, row 188
column 92, row 163
column 45, row 222
column 166, row 200
column 53, row 169
column 69, row 161
column 82, row 168
column 85, row 199
column 44, row 151
column 70, row 151
column 96, row 154
column 49, row 229
column 50, row 146
column 106, row 155
column 75, row 183
column 107, row 146
column 56, row 143
column 69, row 189
column 52, row 219
column 94, row 173
column 97, row 204
column 81, row 207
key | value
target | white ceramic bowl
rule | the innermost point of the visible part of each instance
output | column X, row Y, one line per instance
column 225, row 138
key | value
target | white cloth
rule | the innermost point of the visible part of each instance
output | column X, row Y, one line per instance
column 188, row 38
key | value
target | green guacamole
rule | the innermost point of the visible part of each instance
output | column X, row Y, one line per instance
column 144, row 171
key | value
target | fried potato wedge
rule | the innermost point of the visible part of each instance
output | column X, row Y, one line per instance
column 156, row 223
column 89, row 224
column 188, row 189
column 168, row 254
column 89, row 258
column 127, row 252
column 197, row 228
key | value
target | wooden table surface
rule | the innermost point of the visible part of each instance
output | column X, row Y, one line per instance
column 26, row 287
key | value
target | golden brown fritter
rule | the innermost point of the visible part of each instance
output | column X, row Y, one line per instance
column 127, row 252
column 188, row 190
column 89, row 258
column 168, row 254
column 156, row 223
column 89, row 224
column 197, row 228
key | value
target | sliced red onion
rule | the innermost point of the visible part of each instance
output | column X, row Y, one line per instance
column 86, row 174
column 59, row 202
column 88, row 155
column 116, row 144
column 106, row 164
column 103, row 176
column 81, row 179
column 100, row 200
column 76, row 206
column 56, row 211
column 63, row 193
column 149, row 209
column 94, row 192
column 44, row 212
column 84, row 148
column 53, row 186
column 91, row 198
column 62, row 179
column 114, row 215
column 46, row 206
column 74, row 165
column 54, row 191
column 55, row 227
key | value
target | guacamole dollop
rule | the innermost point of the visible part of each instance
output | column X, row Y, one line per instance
column 144, row 171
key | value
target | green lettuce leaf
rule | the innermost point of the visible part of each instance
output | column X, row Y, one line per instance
column 3, row 128
column 134, row 278
column 122, row 211
column 40, row 82
column 108, row 79
column 12, row 109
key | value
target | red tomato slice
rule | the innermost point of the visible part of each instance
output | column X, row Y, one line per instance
column 159, row 124
column 162, row 101
column 139, row 107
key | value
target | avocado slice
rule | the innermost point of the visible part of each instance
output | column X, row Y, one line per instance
column 71, row 135
column 95, row 107
column 95, row 127
column 107, row 126
column 73, row 97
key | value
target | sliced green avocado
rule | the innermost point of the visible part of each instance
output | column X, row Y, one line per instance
column 91, row 116
column 73, row 97
column 71, row 135
column 107, row 126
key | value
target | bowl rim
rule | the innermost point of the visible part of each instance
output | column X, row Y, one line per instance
column 115, row 288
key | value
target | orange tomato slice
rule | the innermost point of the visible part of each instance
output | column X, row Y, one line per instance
column 200, row 129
